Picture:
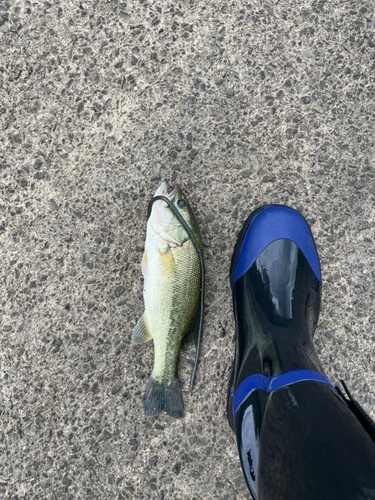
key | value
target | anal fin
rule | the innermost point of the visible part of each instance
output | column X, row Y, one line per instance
column 141, row 332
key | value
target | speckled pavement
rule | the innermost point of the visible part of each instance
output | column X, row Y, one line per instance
column 242, row 104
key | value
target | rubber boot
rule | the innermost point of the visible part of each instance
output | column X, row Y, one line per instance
column 297, row 438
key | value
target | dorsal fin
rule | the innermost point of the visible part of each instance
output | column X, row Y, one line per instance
column 191, row 336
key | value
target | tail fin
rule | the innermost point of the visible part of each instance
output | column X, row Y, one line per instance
column 163, row 396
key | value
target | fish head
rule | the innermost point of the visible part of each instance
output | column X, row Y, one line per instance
column 164, row 223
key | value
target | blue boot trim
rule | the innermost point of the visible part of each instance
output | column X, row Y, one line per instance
column 270, row 384
column 275, row 223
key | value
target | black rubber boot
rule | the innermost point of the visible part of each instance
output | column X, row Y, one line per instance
column 297, row 438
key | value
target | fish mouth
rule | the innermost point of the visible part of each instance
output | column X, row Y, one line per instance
column 168, row 192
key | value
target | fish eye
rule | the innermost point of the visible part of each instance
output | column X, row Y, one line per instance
column 181, row 204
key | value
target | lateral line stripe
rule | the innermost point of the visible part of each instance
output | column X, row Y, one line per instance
column 270, row 384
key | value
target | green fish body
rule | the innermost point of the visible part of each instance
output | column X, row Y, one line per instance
column 172, row 281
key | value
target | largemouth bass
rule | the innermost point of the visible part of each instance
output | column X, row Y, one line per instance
column 172, row 281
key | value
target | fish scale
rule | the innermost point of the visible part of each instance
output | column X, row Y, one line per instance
column 167, row 343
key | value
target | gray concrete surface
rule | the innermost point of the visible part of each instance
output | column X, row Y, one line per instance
column 242, row 104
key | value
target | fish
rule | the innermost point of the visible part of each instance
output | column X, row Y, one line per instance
column 172, row 292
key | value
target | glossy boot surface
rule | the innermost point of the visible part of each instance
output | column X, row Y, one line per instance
column 300, row 441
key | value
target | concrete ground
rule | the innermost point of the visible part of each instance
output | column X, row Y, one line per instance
column 242, row 104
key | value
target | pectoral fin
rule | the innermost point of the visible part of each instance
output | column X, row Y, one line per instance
column 144, row 265
column 141, row 332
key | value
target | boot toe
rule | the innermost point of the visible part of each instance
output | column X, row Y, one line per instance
column 266, row 225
